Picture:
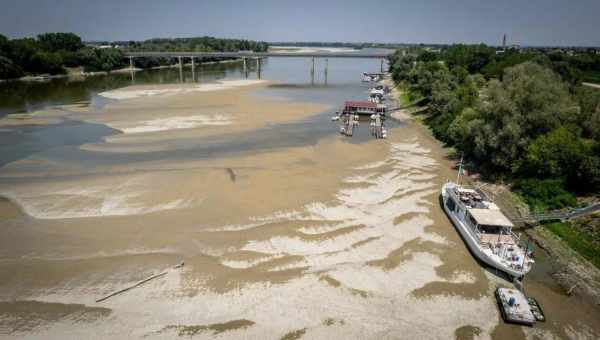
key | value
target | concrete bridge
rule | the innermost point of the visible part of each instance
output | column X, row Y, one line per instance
column 382, row 55
column 249, row 54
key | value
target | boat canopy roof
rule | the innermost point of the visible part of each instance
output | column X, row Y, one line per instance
column 490, row 217
column 366, row 104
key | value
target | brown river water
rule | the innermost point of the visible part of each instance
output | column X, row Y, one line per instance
column 286, row 228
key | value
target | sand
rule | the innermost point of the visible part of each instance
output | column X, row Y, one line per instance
column 185, row 113
column 325, row 240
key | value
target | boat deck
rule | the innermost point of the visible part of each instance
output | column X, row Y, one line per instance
column 496, row 239
column 514, row 306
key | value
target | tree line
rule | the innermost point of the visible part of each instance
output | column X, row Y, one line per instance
column 52, row 53
column 197, row 44
column 522, row 117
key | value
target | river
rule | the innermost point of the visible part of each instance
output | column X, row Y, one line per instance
column 286, row 228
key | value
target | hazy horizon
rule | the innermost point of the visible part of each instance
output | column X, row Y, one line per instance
column 535, row 23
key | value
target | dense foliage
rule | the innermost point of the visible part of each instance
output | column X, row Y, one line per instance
column 50, row 53
column 520, row 116
column 198, row 44
column 582, row 235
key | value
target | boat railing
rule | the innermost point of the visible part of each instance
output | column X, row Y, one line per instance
column 518, row 237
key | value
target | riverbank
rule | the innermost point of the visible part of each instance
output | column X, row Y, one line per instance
column 255, row 190
column 559, row 267
column 355, row 223
column 77, row 72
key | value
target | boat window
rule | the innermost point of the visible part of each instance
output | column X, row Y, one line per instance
column 491, row 229
column 472, row 220
column 450, row 204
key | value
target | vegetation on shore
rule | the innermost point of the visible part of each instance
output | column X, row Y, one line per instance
column 528, row 125
column 583, row 236
column 523, row 118
column 52, row 53
column 197, row 44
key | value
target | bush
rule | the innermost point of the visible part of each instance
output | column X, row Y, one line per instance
column 54, row 42
column 8, row 69
column 578, row 240
column 94, row 60
column 545, row 194
column 46, row 62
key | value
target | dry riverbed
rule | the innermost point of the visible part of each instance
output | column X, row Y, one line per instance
column 326, row 239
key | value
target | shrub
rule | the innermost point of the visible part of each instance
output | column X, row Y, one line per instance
column 545, row 194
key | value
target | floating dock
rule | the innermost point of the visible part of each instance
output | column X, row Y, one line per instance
column 514, row 307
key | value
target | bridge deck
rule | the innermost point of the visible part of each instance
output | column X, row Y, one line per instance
column 371, row 55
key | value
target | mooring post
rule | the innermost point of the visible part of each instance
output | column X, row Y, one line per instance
column 381, row 65
column 180, row 69
column 193, row 71
column 326, row 66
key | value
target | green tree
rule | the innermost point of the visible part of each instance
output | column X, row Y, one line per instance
column 471, row 57
column 46, row 62
column 54, row 42
column 545, row 194
column 8, row 69
column 530, row 101
column 558, row 154
column 589, row 114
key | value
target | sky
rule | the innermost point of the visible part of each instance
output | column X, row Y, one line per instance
column 526, row 22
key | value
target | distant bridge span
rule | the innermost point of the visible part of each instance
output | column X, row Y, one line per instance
column 366, row 55
column 244, row 55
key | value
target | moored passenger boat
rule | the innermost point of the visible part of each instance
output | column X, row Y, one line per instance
column 485, row 229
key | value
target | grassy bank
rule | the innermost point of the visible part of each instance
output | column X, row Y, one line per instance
column 580, row 237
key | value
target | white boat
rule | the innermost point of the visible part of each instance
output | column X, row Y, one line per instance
column 376, row 91
column 485, row 229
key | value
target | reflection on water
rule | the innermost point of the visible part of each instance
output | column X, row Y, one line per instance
column 19, row 143
column 19, row 96
column 291, row 77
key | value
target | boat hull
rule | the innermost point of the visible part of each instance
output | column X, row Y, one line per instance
column 472, row 243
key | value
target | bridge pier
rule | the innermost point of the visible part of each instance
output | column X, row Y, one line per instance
column 131, row 69
column 193, row 71
column 312, row 71
column 258, row 67
column 245, row 67
column 326, row 66
column 180, row 70
column 199, row 69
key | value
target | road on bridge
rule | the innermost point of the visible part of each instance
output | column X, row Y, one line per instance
column 245, row 54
